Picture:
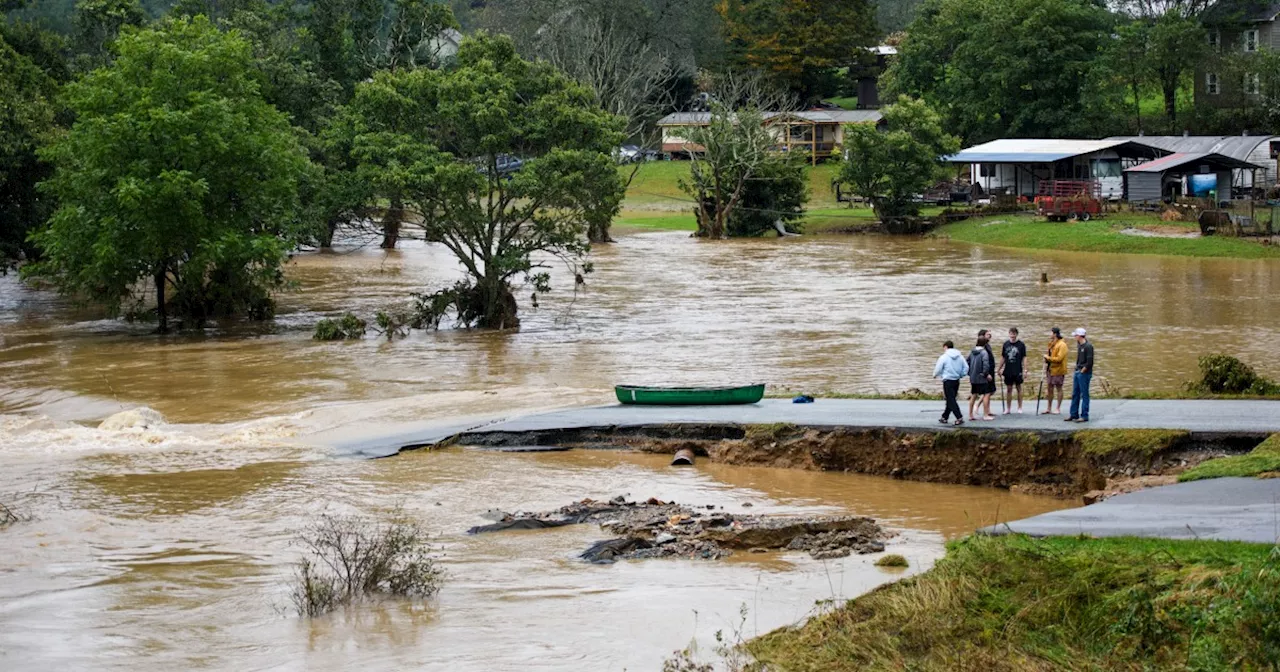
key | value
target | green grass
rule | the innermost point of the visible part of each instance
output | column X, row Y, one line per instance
column 1263, row 459
column 1146, row 442
column 1016, row 603
column 892, row 560
column 1101, row 235
column 845, row 102
column 657, row 184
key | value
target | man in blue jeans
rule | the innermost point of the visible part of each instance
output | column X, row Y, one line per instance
column 1084, row 374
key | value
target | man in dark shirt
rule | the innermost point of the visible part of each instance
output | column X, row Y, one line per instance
column 1012, row 356
column 1082, row 378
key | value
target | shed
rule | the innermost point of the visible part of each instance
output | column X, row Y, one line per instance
column 1260, row 150
column 1169, row 176
column 1018, row 166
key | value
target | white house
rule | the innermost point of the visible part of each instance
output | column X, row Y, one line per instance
column 1018, row 166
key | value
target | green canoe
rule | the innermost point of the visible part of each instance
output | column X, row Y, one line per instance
column 689, row 396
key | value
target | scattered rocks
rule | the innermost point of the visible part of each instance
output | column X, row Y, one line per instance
column 657, row 529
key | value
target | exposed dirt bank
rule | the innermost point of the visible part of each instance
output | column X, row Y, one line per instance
column 1093, row 464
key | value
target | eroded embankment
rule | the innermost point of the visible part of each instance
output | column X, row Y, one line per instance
column 1092, row 463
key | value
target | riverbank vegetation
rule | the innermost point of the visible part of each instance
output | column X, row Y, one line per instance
column 350, row 558
column 1122, row 233
column 1016, row 603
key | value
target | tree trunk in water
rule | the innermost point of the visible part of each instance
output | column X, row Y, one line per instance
column 161, row 311
column 599, row 233
column 500, row 309
column 391, row 224
column 326, row 236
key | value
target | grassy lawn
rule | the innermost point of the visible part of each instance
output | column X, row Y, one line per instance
column 1264, row 459
column 656, row 219
column 845, row 102
column 657, row 185
column 1016, row 603
column 1101, row 235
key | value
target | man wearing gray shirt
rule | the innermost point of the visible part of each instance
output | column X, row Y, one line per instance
column 1082, row 378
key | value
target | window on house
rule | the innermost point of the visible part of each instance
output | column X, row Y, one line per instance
column 1252, row 83
column 1215, row 40
column 1211, row 84
column 1250, row 41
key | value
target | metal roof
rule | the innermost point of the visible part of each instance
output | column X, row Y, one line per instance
column 815, row 116
column 1039, row 150
column 1235, row 146
column 1184, row 158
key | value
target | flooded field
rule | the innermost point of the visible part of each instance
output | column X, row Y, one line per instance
column 171, row 547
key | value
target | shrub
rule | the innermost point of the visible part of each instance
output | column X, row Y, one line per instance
column 1224, row 374
column 350, row 558
column 892, row 560
column 347, row 327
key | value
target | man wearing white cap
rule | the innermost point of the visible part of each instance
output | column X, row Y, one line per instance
column 1080, row 382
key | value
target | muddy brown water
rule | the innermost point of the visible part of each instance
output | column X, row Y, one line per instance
column 170, row 547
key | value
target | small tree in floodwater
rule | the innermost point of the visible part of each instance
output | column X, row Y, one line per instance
column 187, row 184
column 504, row 162
column 349, row 558
column 890, row 166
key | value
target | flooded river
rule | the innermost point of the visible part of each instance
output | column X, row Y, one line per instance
column 171, row 547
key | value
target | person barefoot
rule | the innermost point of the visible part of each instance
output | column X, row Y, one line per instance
column 981, row 379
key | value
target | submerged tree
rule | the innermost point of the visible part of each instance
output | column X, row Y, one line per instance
column 741, row 185
column 176, row 173
column 504, row 162
column 890, row 166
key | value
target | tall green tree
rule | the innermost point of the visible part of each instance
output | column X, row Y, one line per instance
column 27, row 116
column 1176, row 44
column 799, row 41
column 97, row 23
column 890, row 166
column 439, row 144
column 1011, row 68
column 177, row 176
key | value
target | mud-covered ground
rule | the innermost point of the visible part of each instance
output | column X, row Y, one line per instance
column 657, row 529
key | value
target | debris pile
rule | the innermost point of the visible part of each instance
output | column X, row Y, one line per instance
column 657, row 529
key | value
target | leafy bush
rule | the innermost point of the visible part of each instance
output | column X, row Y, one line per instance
column 347, row 327
column 352, row 557
column 1224, row 374
column 777, row 191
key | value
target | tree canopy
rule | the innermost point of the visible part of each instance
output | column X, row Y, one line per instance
column 1042, row 77
column 799, row 40
column 442, row 146
column 176, row 173
column 27, row 112
column 890, row 167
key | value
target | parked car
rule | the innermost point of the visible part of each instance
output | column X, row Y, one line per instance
column 633, row 154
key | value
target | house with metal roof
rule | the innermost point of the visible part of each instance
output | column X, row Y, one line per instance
column 817, row 134
column 1260, row 151
column 1018, row 166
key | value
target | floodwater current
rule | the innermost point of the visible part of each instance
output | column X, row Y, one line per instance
column 171, row 546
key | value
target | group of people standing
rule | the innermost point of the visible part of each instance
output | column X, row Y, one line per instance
column 981, row 370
